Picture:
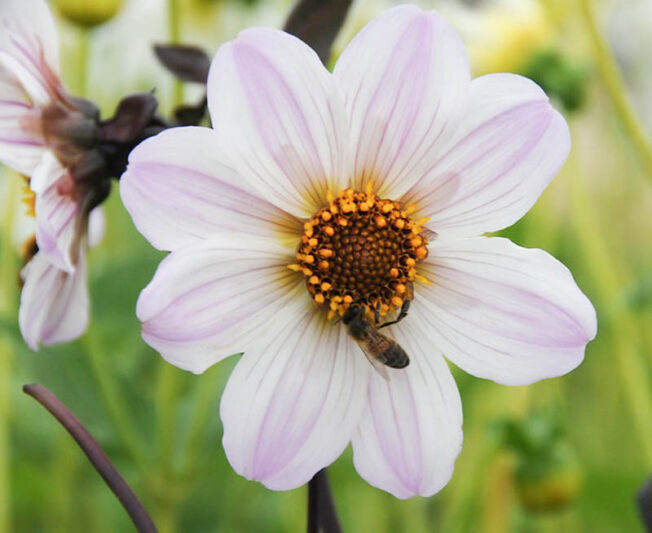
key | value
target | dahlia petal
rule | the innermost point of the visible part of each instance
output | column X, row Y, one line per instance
column 404, row 76
column 28, row 24
column 96, row 226
column 411, row 431
column 509, row 147
column 19, row 149
column 56, row 221
column 214, row 298
column 54, row 305
column 179, row 190
column 293, row 400
column 278, row 111
column 502, row 312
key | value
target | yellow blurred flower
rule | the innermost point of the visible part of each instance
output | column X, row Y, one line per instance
column 87, row 13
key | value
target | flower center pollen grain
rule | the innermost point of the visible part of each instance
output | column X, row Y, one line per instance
column 361, row 249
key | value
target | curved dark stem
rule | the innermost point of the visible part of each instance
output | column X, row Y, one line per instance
column 95, row 454
column 322, row 516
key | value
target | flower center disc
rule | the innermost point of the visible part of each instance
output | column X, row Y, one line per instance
column 361, row 249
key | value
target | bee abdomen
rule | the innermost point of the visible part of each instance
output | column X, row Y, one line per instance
column 395, row 357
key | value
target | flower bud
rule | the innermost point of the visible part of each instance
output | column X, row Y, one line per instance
column 548, row 483
column 88, row 14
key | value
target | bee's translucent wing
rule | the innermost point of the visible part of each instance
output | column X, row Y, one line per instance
column 375, row 363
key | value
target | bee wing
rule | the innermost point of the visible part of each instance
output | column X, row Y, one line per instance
column 369, row 349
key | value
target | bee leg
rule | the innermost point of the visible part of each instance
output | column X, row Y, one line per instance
column 377, row 312
column 401, row 315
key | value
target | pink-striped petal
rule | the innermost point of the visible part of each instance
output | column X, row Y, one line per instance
column 279, row 113
column 411, row 431
column 502, row 312
column 510, row 145
column 216, row 297
column 404, row 76
column 179, row 189
column 54, row 305
column 293, row 400
column 28, row 25
column 56, row 226
column 19, row 149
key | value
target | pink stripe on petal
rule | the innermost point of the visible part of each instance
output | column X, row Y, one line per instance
column 503, row 312
column 179, row 190
column 279, row 114
column 56, row 217
column 214, row 298
column 293, row 400
column 410, row 434
column 54, row 305
column 404, row 77
column 509, row 146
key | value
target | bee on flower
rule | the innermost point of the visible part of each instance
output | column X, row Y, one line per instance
column 325, row 209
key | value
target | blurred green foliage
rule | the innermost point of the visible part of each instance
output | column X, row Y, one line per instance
column 161, row 427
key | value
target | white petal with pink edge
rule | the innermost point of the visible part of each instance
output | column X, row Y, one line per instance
column 502, row 312
column 28, row 24
column 179, row 189
column 404, row 76
column 19, row 149
column 54, row 305
column 293, row 400
column 510, row 145
column 278, row 112
column 411, row 431
column 56, row 226
column 215, row 298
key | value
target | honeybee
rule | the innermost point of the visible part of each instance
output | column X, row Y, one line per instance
column 381, row 351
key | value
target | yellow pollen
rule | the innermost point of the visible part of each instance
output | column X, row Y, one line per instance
column 361, row 249
column 29, row 199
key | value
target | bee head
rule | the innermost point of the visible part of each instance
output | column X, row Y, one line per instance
column 353, row 312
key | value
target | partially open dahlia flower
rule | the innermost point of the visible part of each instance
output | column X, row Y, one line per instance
column 368, row 187
column 44, row 134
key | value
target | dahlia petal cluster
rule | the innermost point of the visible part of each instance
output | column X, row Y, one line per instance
column 267, row 218
column 34, row 109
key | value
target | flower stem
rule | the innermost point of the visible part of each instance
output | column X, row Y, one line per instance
column 112, row 398
column 174, row 34
column 95, row 454
column 322, row 516
column 616, row 89
column 626, row 346
column 8, row 289
column 82, row 61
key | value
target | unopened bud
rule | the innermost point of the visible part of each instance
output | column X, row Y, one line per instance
column 88, row 13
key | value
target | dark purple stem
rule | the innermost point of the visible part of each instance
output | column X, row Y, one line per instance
column 95, row 454
column 322, row 516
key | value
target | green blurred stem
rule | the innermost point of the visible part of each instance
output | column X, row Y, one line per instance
column 112, row 398
column 8, row 288
column 82, row 61
column 616, row 89
column 625, row 338
column 167, row 380
column 174, row 34
column 200, row 413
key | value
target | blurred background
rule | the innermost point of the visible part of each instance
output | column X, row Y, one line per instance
column 565, row 454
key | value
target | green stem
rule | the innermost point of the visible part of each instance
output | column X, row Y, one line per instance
column 626, row 346
column 82, row 64
column 616, row 89
column 7, row 298
column 174, row 34
column 201, row 411
column 112, row 398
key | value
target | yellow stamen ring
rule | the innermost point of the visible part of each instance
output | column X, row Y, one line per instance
column 362, row 249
